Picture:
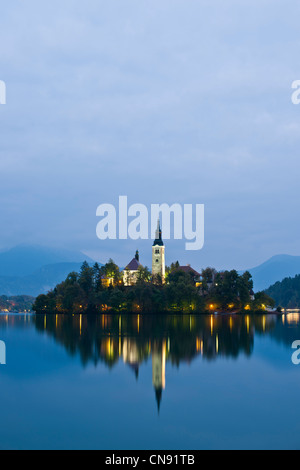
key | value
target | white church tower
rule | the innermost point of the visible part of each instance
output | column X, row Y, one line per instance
column 158, row 255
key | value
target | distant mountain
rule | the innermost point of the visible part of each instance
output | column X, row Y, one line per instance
column 275, row 269
column 40, row 282
column 23, row 260
column 34, row 270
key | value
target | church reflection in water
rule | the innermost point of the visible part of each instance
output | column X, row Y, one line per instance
column 173, row 339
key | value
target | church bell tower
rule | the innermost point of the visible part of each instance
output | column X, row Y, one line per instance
column 158, row 255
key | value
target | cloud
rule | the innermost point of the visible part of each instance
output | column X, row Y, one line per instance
column 174, row 101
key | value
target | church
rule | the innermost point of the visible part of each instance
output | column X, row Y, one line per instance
column 130, row 273
column 158, row 255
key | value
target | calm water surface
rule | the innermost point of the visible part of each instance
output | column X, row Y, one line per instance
column 149, row 382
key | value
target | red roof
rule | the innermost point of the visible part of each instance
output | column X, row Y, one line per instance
column 188, row 269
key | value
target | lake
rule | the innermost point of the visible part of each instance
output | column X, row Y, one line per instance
column 149, row 382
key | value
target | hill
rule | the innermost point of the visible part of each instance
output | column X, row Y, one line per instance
column 32, row 270
column 275, row 269
column 23, row 260
column 286, row 293
column 39, row 282
column 16, row 303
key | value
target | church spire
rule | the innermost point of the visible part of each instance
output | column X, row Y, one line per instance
column 158, row 257
column 158, row 235
column 157, row 230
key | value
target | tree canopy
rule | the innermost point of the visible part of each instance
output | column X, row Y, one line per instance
column 99, row 289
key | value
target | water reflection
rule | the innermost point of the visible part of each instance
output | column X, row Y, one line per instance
column 135, row 339
column 292, row 318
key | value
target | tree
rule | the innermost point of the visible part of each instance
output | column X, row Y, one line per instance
column 181, row 292
column 171, row 269
column 98, row 273
column 112, row 271
column 226, row 289
column 116, row 299
column 143, row 275
column 245, row 285
column 44, row 303
column 263, row 301
column 208, row 277
column 86, row 278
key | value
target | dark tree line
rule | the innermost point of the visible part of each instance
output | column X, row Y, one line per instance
column 99, row 289
column 286, row 293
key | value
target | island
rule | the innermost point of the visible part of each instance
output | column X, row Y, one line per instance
column 106, row 288
column 98, row 289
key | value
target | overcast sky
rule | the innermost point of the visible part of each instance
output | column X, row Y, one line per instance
column 185, row 101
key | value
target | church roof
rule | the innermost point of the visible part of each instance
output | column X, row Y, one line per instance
column 188, row 269
column 133, row 265
column 158, row 236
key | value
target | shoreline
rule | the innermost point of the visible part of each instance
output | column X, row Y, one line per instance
column 254, row 312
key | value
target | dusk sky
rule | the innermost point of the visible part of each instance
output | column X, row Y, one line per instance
column 164, row 101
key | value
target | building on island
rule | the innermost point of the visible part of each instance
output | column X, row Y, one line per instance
column 192, row 272
column 130, row 273
column 158, row 255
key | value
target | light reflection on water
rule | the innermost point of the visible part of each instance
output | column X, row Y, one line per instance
column 148, row 346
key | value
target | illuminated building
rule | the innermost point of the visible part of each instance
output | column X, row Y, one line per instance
column 158, row 255
column 130, row 273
